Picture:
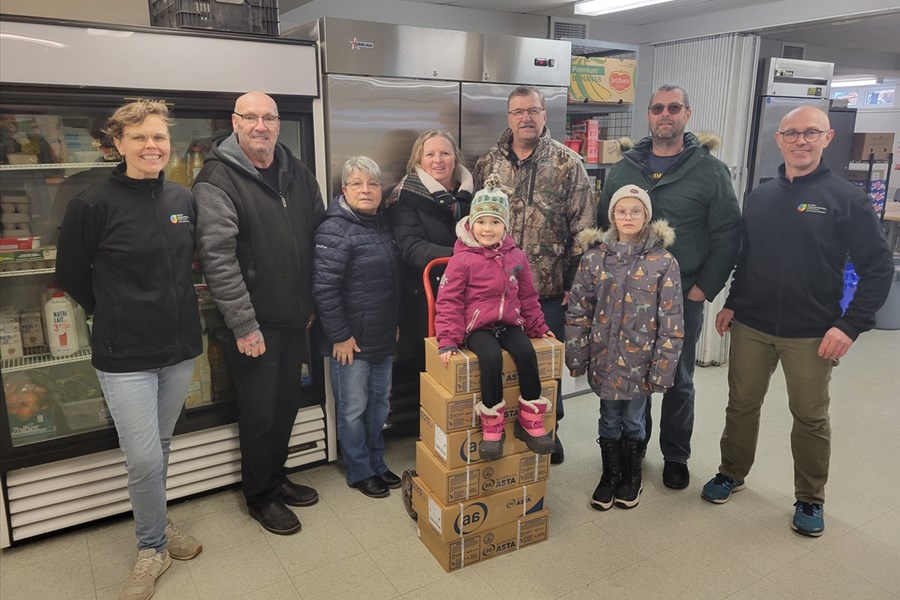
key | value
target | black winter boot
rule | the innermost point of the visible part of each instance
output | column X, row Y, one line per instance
column 606, row 490
column 628, row 494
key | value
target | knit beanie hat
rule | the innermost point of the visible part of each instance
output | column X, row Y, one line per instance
column 631, row 191
column 490, row 200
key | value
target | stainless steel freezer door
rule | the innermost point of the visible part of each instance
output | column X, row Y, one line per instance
column 484, row 116
column 381, row 118
column 770, row 111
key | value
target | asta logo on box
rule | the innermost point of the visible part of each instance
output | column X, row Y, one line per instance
column 468, row 451
column 472, row 518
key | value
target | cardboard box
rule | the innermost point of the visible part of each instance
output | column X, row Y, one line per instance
column 488, row 544
column 593, row 152
column 462, row 374
column 10, row 336
column 593, row 129
column 864, row 144
column 461, row 519
column 31, row 324
column 610, row 152
column 460, row 448
column 481, row 478
column 601, row 80
column 454, row 412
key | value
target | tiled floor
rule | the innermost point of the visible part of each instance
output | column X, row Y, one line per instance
column 673, row 546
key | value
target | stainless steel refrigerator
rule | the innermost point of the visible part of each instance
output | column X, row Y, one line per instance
column 383, row 84
column 783, row 85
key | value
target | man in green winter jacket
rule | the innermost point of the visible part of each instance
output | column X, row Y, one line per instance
column 692, row 190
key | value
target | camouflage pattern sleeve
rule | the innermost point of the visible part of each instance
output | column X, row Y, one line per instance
column 581, row 209
column 669, row 330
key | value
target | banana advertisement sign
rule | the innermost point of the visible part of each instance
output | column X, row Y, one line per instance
column 601, row 80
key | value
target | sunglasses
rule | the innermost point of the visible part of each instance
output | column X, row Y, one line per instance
column 674, row 108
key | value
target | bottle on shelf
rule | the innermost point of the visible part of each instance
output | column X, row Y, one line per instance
column 194, row 162
column 176, row 170
column 59, row 323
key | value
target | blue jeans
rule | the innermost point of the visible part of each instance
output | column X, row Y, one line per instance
column 622, row 416
column 144, row 406
column 676, row 419
column 362, row 393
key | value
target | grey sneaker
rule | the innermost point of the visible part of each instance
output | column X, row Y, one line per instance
column 718, row 489
column 181, row 545
column 149, row 566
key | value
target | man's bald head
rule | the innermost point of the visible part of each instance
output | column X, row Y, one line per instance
column 802, row 136
column 255, row 121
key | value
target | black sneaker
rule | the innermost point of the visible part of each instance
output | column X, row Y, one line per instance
column 275, row 517
column 558, row 455
column 676, row 475
column 372, row 487
column 294, row 494
column 390, row 479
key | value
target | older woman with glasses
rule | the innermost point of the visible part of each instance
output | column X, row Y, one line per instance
column 125, row 250
column 424, row 208
column 356, row 291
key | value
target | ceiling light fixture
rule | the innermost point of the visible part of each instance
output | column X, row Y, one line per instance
column 842, row 83
column 603, row 7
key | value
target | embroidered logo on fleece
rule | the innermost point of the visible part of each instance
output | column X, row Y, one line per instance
column 176, row 218
column 812, row 208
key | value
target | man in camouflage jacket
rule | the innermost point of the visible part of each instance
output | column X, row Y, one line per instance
column 550, row 202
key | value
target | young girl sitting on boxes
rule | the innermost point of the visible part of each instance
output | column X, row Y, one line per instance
column 624, row 325
column 487, row 301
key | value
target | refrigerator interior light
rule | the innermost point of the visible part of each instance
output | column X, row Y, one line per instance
column 858, row 82
column 594, row 8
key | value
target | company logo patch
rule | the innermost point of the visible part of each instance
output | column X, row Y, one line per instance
column 812, row 208
column 176, row 218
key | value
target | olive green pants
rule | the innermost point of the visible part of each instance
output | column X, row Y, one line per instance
column 752, row 360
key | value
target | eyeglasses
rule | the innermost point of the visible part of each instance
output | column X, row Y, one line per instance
column 358, row 185
column 520, row 112
column 635, row 213
column 674, row 108
column 251, row 119
column 810, row 135
column 140, row 138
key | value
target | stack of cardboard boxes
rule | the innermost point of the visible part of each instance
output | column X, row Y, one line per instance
column 469, row 509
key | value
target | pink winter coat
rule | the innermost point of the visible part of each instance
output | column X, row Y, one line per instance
column 483, row 288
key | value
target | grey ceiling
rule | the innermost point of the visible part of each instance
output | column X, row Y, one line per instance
column 872, row 34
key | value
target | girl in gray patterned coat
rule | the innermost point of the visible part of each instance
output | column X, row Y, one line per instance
column 624, row 324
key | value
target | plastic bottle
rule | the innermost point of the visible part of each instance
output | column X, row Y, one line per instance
column 81, row 326
column 194, row 163
column 59, row 323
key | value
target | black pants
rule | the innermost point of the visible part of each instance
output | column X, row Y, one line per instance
column 487, row 344
column 268, row 397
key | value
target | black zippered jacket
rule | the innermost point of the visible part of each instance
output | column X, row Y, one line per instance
column 255, row 243
column 796, row 238
column 124, row 254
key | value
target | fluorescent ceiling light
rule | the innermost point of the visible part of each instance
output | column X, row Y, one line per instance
column 604, row 7
column 841, row 83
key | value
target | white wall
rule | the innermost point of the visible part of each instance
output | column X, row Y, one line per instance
column 124, row 12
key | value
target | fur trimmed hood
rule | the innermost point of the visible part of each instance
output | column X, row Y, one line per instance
column 657, row 235
column 710, row 140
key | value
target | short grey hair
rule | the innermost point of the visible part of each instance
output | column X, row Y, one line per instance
column 360, row 163
column 524, row 91
column 671, row 87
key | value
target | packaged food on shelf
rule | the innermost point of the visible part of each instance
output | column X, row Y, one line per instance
column 10, row 335
column 59, row 322
column 32, row 328
column 28, row 406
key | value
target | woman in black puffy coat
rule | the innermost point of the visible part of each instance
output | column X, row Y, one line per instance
column 424, row 208
column 356, row 290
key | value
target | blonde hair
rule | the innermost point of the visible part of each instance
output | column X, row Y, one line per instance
column 134, row 113
column 418, row 149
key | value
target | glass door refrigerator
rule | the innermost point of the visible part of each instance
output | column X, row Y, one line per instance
column 60, row 464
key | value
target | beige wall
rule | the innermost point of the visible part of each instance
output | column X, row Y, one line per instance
column 126, row 12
